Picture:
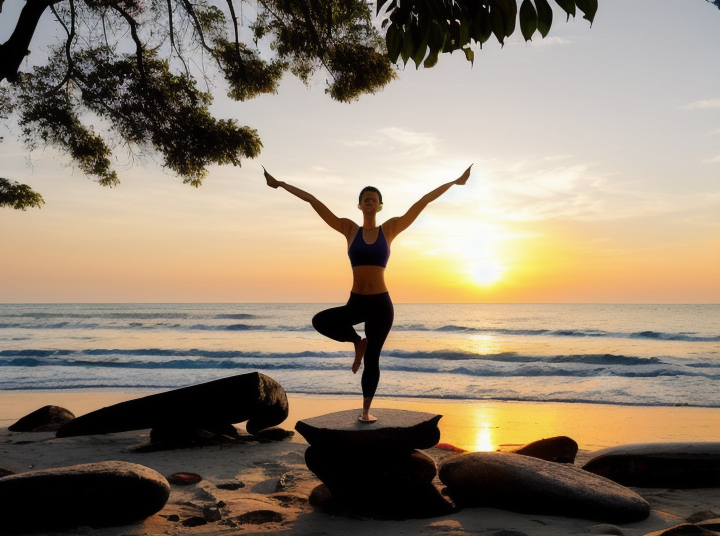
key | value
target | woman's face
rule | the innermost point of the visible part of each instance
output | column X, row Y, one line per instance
column 370, row 202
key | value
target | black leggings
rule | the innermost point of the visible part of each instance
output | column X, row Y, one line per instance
column 377, row 311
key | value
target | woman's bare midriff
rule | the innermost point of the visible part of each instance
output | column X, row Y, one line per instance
column 369, row 280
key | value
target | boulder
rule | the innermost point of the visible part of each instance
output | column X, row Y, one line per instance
column 395, row 429
column 252, row 397
column 340, row 469
column 415, row 502
column 559, row 449
column 93, row 494
column 660, row 465
column 520, row 483
column 45, row 419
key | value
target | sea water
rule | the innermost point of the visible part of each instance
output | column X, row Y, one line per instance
column 656, row 355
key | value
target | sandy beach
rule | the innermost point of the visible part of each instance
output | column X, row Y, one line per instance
column 276, row 479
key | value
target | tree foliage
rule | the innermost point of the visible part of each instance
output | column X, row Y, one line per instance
column 18, row 196
column 137, row 75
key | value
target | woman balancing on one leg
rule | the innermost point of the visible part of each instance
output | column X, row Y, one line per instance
column 369, row 250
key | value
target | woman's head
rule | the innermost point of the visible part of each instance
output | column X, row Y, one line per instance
column 369, row 189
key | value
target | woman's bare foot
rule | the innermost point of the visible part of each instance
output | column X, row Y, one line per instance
column 365, row 415
column 360, row 347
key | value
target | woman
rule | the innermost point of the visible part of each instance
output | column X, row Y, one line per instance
column 369, row 250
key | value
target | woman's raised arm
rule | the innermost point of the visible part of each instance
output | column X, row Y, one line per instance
column 341, row 225
column 395, row 226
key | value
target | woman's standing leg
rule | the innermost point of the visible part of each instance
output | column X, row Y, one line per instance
column 379, row 315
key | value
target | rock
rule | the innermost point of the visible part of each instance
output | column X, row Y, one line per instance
column 672, row 465
column 698, row 517
column 606, row 529
column 173, row 517
column 6, row 472
column 230, row 485
column 275, row 433
column 184, row 479
column 710, row 524
column 259, row 517
column 211, row 514
column 685, row 529
column 524, row 484
column 188, row 434
column 93, row 494
column 45, row 419
column 559, row 449
column 194, row 521
column 340, row 469
column 395, row 429
column 418, row 502
column 252, row 397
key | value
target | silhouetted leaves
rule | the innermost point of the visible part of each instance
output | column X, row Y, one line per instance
column 422, row 29
column 18, row 196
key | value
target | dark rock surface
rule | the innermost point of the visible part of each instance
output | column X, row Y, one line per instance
column 561, row 449
column 93, row 494
column 252, row 397
column 699, row 517
column 45, row 419
column 524, row 484
column 380, row 502
column 686, row 529
column 6, row 472
column 660, row 465
column 395, row 429
column 340, row 468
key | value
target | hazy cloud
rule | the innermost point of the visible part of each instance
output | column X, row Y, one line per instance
column 701, row 104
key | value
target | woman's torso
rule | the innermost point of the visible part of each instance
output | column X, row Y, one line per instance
column 368, row 246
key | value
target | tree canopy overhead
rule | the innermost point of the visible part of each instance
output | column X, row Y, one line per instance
column 136, row 74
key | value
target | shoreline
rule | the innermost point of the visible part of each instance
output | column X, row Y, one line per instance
column 468, row 424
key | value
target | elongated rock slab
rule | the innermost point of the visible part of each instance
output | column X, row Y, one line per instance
column 525, row 484
column 93, row 494
column 395, row 429
column 660, row 465
column 252, row 397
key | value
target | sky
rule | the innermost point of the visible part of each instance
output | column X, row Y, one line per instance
column 596, row 179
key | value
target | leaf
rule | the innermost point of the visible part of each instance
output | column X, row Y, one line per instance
column 498, row 24
column 545, row 16
column 469, row 55
column 431, row 60
column 509, row 11
column 381, row 3
column 421, row 42
column 528, row 19
column 568, row 6
column 588, row 7
column 407, row 44
column 394, row 41
column 482, row 27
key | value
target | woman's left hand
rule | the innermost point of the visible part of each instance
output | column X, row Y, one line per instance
column 464, row 177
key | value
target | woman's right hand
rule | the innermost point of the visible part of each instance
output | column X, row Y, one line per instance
column 272, row 182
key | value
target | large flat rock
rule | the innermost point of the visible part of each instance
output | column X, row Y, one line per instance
column 524, row 484
column 395, row 429
column 675, row 465
column 252, row 397
column 92, row 494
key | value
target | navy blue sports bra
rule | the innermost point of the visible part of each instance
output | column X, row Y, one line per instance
column 363, row 254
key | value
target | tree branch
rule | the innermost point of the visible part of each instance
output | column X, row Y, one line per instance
column 235, row 24
column 133, row 32
column 14, row 50
column 198, row 28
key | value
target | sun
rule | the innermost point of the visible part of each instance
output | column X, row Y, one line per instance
column 486, row 271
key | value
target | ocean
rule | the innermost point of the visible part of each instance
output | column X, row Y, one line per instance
column 651, row 355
